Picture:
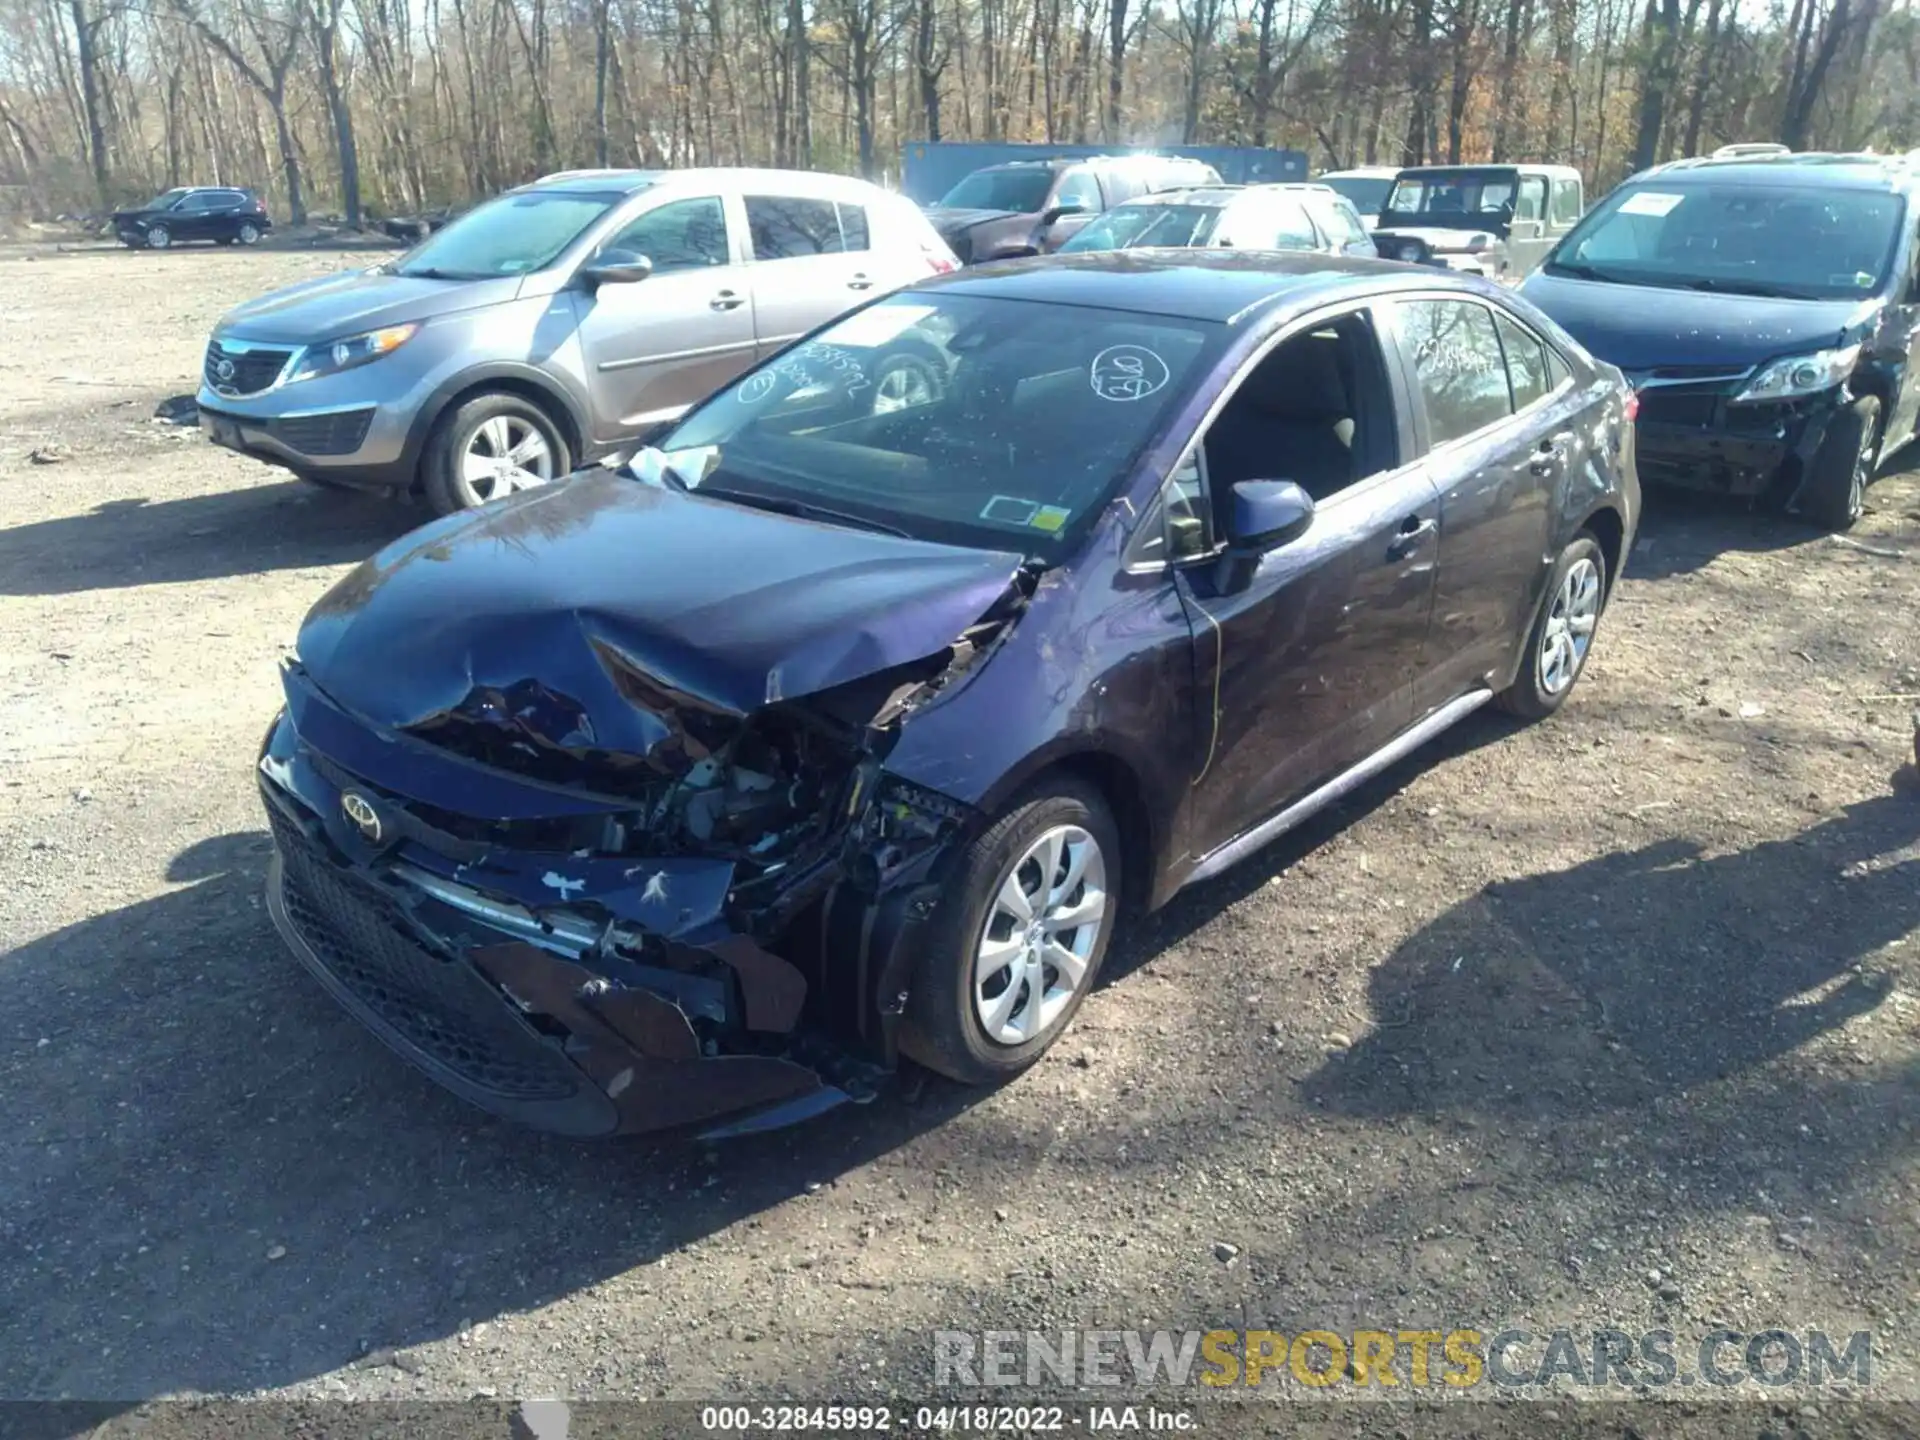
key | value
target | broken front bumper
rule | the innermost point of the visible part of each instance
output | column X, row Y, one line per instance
column 558, row 1017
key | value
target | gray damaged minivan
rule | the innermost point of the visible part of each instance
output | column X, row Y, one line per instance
column 555, row 325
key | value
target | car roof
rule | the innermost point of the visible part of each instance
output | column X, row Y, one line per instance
column 1361, row 172
column 627, row 181
column 1818, row 170
column 1202, row 195
column 1226, row 286
column 1560, row 172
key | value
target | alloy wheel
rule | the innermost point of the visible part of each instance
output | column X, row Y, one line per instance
column 158, row 237
column 1568, row 633
column 505, row 454
column 902, row 388
column 249, row 234
column 1038, row 942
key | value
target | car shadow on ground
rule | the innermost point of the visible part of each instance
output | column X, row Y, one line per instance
column 1681, row 532
column 1636, row 975
column 276, row 526
column 267, row 1193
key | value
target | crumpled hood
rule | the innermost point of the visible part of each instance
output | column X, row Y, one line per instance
column 355, row 301
column 1640, row 327
column 1441, row 239
column 610, row 615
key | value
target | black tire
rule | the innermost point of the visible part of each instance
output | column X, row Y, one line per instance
column 1835, row 493
column 248, row 233
column 441, row 482
column 941, row 1027
column 1532, row 696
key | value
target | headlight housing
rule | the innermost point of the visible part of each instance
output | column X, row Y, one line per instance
column 344, row 354
column 1798, row 375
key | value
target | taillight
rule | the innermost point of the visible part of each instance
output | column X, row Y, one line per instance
column 942, row 264
column 1633, row 406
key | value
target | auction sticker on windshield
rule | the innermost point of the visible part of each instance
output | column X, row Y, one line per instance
column 1650, row 202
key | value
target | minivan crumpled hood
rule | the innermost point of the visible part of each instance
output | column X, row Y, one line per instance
column 1641, row 327
column 948, row 220
column 609, row 615
column 356, row 301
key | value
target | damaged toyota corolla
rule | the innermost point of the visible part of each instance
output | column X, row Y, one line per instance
column 849, row 722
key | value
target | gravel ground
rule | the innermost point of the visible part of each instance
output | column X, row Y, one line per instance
column 1609, row 1022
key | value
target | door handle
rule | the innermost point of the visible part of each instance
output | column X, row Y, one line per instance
column 726, row 300
column 859, row 282
column 1413, row 533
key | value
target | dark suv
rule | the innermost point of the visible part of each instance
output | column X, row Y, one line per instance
column 1765, row 310
column 194, row 212
column 1033, row 207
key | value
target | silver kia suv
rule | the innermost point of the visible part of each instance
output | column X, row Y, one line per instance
column 554, row 326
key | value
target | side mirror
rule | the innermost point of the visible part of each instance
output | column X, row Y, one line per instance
column 1060, row 212
column 616, row 267
column 1268, row 513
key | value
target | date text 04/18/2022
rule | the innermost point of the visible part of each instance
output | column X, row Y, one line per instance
column 942, row 1419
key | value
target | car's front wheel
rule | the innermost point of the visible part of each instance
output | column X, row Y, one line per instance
column 1019, row 938
column 1836, row 490
column 493, row 445
column 1562, row 635
column 158, row 237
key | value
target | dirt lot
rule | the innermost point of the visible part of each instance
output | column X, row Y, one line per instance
column 1540, row 1015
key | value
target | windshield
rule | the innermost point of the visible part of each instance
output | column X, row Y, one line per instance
column 167, row 199
column 1021, row 191
column 1755, row 240
column 508, row 236
column 1134, row 225
column 1479, row 199
column 1367, row 194
column 961, row 419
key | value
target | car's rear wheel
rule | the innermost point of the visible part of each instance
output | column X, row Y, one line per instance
column 1562, row 635
column 494, row 445
column 248, row 233
column 1836, row 491
column 158, row 237
column 1019, row 938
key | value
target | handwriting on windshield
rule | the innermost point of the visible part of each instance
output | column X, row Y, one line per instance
column 1127, row 373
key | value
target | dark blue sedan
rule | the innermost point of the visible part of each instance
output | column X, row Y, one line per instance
column 851, row 721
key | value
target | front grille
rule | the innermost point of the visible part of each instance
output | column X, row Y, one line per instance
column 253, row 370
column 339, row 433
column 442, row 1009
column 1693, row 409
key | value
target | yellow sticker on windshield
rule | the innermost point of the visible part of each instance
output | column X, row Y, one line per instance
column 1049, row 517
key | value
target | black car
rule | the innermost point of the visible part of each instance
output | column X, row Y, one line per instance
column 1765, row 309
column 840, row 728
column 223, row 214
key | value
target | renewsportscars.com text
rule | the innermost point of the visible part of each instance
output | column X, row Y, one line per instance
column 1406, row 1359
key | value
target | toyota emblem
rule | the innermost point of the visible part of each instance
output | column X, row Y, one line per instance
column 358, row 809
column 223, row 369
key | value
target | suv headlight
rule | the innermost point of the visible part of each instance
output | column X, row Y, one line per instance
column 1801, row 375
column 338, row 355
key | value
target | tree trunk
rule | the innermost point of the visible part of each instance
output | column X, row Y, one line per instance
column 1660, row 39
column 1116, row 67
column 86, row 35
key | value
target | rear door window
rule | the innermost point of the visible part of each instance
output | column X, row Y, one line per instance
column 1566, row 202
column 789, row 227
column 1532, row 204
column 1527, row 371
column 854, row 231
column 1458, row 366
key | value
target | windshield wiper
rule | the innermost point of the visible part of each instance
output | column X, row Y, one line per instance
column 429, row 272
column 1743, row 287
column 1581, row 271
column 800, row 509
